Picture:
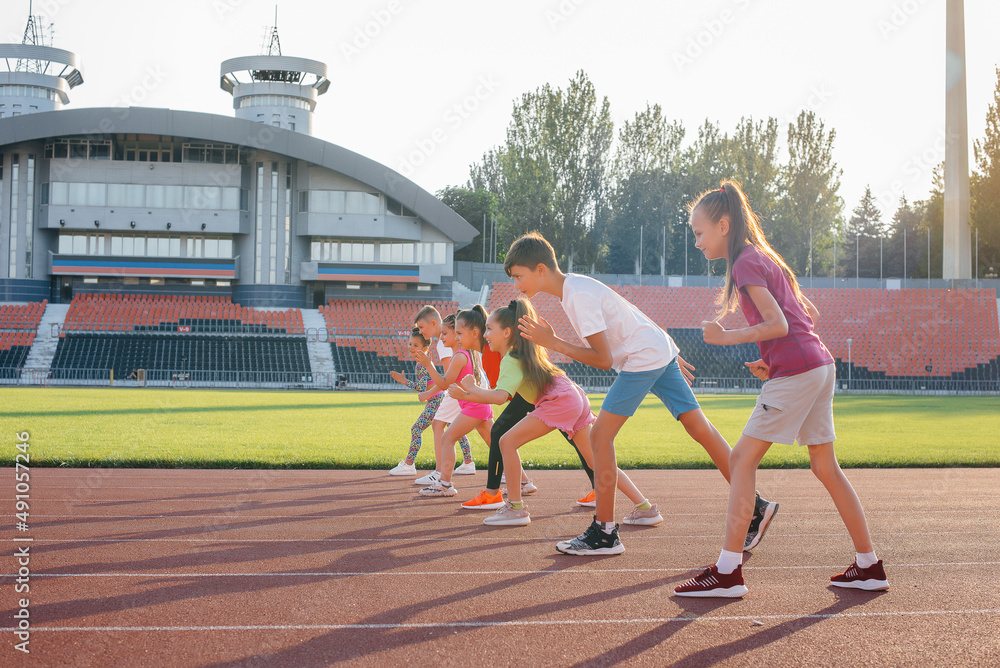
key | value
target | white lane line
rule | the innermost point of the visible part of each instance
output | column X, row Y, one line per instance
column 571, row 571
column 462, row 538
column 513, row 623
column 237, row 513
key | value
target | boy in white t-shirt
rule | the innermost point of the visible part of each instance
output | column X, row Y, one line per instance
column 618, row 336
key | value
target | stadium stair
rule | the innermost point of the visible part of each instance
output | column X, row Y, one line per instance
column 320, row 354
column 39, row 359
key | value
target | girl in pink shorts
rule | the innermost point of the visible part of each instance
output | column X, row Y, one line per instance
column 559, row 404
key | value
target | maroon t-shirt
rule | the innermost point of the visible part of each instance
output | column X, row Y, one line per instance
column 800, row 349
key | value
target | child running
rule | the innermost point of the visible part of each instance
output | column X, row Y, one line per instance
column 796, row 402
column 428, row 321
column 431, row 401
column 616, row 335
column 559, row 403
column 469, row 327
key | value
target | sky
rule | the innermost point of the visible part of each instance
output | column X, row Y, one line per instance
column 427, row 86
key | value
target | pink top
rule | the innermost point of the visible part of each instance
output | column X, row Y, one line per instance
column 800, row 349
column 471, row 408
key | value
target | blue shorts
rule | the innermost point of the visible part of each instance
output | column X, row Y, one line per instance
column 667, row 383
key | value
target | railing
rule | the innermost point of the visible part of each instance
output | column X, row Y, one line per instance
column 374, row 381
column 233, row 327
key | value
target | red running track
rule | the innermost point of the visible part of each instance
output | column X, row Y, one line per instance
column 313, row 568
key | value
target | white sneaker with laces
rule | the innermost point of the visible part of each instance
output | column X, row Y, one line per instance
column 428, row 479
column 402, row 468
column 468, row 468
column 438, row 488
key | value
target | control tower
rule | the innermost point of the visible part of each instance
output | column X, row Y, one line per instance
column 34, row 76
column 275, row 89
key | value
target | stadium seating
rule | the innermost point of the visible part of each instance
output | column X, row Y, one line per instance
column 894, row 333
column 18, row 324
column 118, row 313
column 124, row 333
column 125, row 353
column 345, row 317
column 372, row 336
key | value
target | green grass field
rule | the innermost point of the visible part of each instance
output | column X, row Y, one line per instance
column 247, row 429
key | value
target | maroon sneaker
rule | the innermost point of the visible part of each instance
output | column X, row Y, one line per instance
column 870, row 579
column 713, row 584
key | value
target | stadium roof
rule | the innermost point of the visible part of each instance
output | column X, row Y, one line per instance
column 228, row 130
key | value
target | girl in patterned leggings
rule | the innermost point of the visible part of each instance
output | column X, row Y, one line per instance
column 432, row 400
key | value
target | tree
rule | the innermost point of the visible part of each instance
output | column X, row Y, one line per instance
column 985, row 195
column 809, row 200
column 903, row 247
column 550, row 172
column 932, row 227
column 472, row 205
column 862, row 235
column 643, row 198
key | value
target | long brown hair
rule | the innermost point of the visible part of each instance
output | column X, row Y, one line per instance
column 536, row 366
column 744, row 230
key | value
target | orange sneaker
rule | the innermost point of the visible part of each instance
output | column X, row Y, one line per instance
column 485, row 501
column 589, row 501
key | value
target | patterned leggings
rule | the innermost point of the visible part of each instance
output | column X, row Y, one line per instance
column 424, row 421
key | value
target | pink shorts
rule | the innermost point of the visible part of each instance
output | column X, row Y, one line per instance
column 564, row 406
column 475, row 410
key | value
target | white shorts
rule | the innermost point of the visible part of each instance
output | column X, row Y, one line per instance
column 798, row 407
column 448, row 410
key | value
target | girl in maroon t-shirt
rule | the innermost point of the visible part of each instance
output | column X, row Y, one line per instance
column 796, row 402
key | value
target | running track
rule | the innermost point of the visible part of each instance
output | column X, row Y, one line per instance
column 311, row 568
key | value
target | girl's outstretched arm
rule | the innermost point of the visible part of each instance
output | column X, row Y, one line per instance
column 481, row 394
column 454, row 368
column 774, row 325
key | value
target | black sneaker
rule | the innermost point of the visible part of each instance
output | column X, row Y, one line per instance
column 593, row 541
column 763, row 512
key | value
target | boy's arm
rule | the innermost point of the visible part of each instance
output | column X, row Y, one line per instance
column 598, row 354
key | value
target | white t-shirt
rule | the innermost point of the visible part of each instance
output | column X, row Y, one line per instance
column 637, row 343
column 443, row 351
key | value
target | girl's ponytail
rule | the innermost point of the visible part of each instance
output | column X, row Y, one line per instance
column 536, row 366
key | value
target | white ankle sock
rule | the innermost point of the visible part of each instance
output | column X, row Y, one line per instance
column 865, row 559
column 728, row 561
column 607, row 527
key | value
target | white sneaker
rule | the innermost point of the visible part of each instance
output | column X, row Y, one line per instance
column 428, row 479
column 402, row 468
column 469, row 468
column 438, row 488
column 503, row 478
column 507, row 516
column 526, row 488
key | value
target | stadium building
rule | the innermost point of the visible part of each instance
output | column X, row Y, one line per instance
column 253, row 207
